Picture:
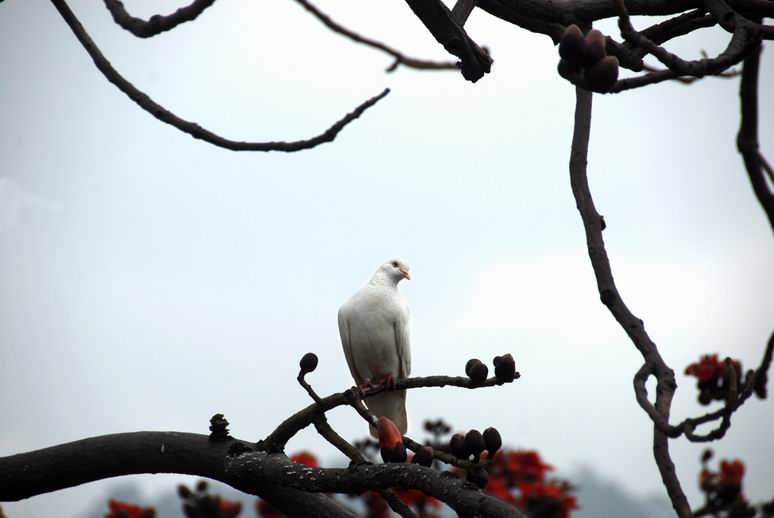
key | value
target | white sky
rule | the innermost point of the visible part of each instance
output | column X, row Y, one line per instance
column 150, row 280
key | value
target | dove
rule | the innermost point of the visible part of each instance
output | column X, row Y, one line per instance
column 374, row 329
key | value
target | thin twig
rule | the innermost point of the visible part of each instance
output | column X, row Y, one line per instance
column 193, row 129
column 400, row 58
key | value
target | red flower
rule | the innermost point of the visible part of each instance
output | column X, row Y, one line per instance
column 523, row 465
column 707, row 368
column 731, row 473
column 124, row 510
column 228, row 509
column 498, row 486
column 265, row 509
column 305, row 458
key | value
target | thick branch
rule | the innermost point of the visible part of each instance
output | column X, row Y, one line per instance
column 290, row 486
column 157, row 23
column 610, row 297
column 193, row 129
column 400, row 58
column 71, row 464
column 438, row 19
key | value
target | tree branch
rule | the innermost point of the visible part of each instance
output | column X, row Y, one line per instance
column 274, row 477
column 157, row 23
column 193, row 129
column 610, row 297
column 747, row 138
column 399, row 57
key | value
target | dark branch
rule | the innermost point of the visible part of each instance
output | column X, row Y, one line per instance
column 291, row 426
column 747, row 138
column 474, row 61
column 400, row 58
column 157, row 23
column 193, row 129
column 610, row 297
column 290, row 486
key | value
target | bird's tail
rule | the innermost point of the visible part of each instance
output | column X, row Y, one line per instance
column 391, row 405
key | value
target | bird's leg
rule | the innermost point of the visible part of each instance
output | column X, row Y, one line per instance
column 388, row 381
column 366, row 385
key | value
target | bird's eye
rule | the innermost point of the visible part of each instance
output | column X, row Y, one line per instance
column 395, row 264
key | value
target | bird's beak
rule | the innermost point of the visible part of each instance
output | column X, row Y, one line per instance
column 406, row 274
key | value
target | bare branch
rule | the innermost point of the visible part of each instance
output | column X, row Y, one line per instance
column 400, row 58
column 292, row 425
column 747, row 138
column 610, row 297
column 474, row 61
column 157, row 23
column 193, row 129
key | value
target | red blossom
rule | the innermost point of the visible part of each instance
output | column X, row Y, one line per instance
column 731, row 472
column 498, row 486
column 707, row 368
column 523, row 465
column 265, row 509
column 125, row 510
column 305, row 458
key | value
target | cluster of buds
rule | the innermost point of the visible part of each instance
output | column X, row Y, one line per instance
column 124, row 510
column 504, row 367
column 723, row 489
column 585, row 60
column 472, row 445
column 200, row 504
column 713, row 377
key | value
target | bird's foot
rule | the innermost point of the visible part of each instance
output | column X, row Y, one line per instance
column 388, row 381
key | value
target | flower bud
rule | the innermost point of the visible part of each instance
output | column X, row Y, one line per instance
column 506, row 368
column 492, row 440
column 572, row 44
column 478, row 373
column 396, row 453
column 604, row 74
column 308, row 363
column 423, row 457
column 388, row 433
column 596, row 42
column 470, row 364
column 474, row 442
column 457, row 446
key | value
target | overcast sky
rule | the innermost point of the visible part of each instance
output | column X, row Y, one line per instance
column 150, row 280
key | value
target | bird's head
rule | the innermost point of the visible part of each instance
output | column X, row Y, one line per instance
column 396, row 269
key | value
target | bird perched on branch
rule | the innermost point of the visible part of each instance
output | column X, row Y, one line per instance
column 374, row 329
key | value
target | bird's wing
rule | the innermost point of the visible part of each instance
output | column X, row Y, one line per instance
column 403, row 344
column 347, row 345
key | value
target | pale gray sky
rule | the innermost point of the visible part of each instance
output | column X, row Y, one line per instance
column 150, row 280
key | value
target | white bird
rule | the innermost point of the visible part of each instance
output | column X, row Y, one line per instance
column 374, row 329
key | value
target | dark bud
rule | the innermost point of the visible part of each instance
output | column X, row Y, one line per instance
column 602, row 224
column 572, row 45
column 706, row 455
column 495, row 360
column 705, row 397
column 492, row 440
column 395, row 454
column 457, row 446
column 308, row 363
column 478, row 373
column 474, row 442
column 567, row 70
column 218, row 428
column 478, row 476
column 596, row 48
column 423, row 457
column 201, row 486
column 183, row 491
column 604, row 74
column 470, row 364
column 506, row 368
